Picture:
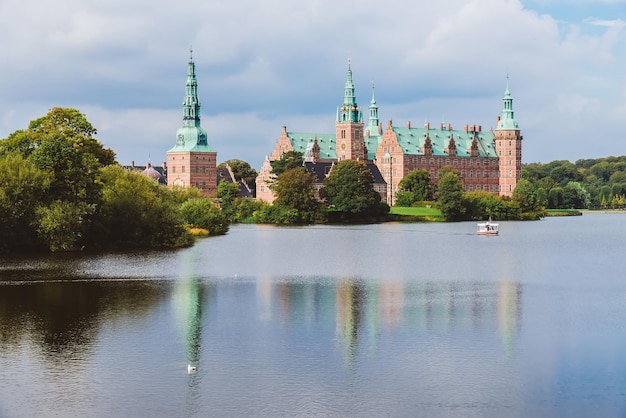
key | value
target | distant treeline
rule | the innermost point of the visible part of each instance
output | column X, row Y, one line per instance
column 588, row 183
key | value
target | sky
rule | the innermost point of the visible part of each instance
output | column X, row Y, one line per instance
column 265, row 64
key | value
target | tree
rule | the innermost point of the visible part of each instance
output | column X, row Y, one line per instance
column 242, row 171
column 67, row 123
column 61, row 225
column 22, row 186
column 450, row 194
column 228, row 193
column 137, row 212
column 294, row 192
column 525, row 195
column 575, row 196
column 289, row 160
column 418, row 185
column 348, row 189
column 201, row 213
column 555, row 198
column 74, row 126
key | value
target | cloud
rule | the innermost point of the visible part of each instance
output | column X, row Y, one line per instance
column 262, row 65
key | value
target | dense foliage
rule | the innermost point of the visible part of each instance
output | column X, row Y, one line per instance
column 450, row 194
column 289, row 160
column 201, row 213
column 295, row 196
column 415, row 187
column 588, row 183
column 242, row 171
column 348, row 190
column 61, row 190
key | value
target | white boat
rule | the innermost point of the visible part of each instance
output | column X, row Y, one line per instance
column 487, row 228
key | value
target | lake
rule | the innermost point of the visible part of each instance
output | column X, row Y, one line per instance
column 397, row 320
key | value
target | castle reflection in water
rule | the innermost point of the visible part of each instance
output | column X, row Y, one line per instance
column 362, row 309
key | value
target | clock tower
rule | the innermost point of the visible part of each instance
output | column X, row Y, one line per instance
column 349, row 126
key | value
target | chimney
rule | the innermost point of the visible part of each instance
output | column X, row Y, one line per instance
column 132, row 164
column 441, row 126
column 449, row 127
column 408, row 125
column 473, row 128
column 164, row 165
column 427, row 126
column 465, row 128
column 480, row 128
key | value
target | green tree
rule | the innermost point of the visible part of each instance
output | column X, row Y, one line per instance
column 22, row 186
column 480, row 205
column 349, row 190
column 201, row 213
column 289, row 160
column 62, row 223
column 575, row 195
column 418, row 185
column 137, row 212
column 525, row 195
column 450, row 194
column 555, row 198
column 241, row 170
column 67, row 123
column 294, row 192
column 228, row 193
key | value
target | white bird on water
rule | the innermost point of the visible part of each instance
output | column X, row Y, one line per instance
column 191, row 369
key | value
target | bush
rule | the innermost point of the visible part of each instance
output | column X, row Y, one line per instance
column 201, row 213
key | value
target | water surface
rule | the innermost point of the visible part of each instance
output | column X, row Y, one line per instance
column 378, row 320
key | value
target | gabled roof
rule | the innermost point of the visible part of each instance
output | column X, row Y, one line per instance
column 300, row 141
column 412, row 140
column 319, row 170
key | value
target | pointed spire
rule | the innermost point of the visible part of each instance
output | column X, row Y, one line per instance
column 349, row 111
column 507, row 120
column 373, row 119
column 191, row 104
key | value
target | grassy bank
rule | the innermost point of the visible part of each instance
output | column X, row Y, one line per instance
column 412, row 214
column 563, row 212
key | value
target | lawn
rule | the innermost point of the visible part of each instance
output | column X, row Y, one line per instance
column 413, row 214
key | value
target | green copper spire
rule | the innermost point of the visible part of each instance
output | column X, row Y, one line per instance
column 373, row 120
column 349, row 111
column 191, row 105
column 507, row 120
column 191, row 137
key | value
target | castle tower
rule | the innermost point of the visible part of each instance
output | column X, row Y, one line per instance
column 509, row 146
column 192, row 162
column 349, row 126
column 373, row 125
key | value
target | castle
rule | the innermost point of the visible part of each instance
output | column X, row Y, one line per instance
column 487, row 160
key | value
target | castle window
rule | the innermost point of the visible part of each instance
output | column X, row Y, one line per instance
column 182, row 169
column 173, row 169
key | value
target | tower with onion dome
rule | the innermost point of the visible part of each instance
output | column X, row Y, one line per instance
column 192, row 162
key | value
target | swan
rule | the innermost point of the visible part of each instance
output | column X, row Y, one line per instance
column 191, row 369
